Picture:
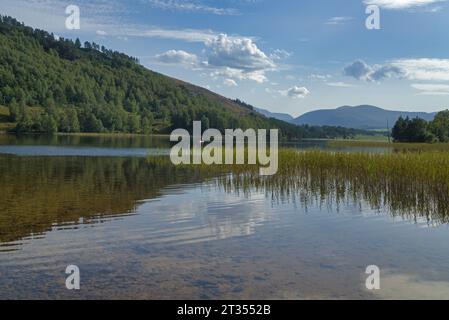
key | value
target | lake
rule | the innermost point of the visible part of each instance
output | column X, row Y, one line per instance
column 136, row 230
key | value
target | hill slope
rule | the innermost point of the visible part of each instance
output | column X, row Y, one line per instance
column 360, row 117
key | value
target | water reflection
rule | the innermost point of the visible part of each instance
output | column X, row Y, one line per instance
column 41, row 192
column 52, row 193
column 141, row 228
column 85, row 140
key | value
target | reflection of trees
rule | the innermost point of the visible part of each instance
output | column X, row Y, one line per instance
column 80, row 140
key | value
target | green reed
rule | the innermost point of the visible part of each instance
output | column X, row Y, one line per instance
column 413, row 185
column 394, row 146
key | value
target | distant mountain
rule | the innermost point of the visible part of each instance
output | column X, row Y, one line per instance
column 280, row 116
column 359, row 117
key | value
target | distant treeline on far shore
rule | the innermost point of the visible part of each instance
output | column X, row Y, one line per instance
column 419, row 130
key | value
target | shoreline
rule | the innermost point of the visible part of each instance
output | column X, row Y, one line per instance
column 87, row 134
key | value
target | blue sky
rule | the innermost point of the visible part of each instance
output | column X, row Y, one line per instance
column 289, row 56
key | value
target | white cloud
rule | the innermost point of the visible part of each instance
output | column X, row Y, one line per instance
column 338, row 20
column 191, row 6
column 340, row 84
column 238, row 57
column 227, row 72
column 280, row 54
column 238, row 53
column 101, row 33
column 431, row 88
column 401, row 4
column 230, row 83
column 295, row 92
column 233, row 56
column 177, row 57
column 189, row 35
column 424, row 69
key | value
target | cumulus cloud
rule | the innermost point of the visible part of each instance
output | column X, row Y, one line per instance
column 401, row 4
column 296, row 92
column 230, row 57
column 229, row 83
column 237, row 53
column 362, row 71
column 238, row 57
column 359, row 70
column 177, row 57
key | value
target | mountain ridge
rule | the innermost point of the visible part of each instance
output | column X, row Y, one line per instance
column 365, row 117
column 277, row 115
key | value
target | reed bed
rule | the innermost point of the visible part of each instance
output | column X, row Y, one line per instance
column 412, row 185
column 415, row 147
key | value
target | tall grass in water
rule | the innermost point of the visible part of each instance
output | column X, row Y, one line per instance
column 413, row 185
column 410, row 184
column 394, row 146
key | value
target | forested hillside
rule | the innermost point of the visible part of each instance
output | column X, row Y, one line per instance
column 60, row 85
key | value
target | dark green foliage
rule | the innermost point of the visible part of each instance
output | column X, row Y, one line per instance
column 440, row 126
column 419, row 130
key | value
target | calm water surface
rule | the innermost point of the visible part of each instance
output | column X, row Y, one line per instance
column 136, row 230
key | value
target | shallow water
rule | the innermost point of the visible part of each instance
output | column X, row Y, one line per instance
column 138, row 231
